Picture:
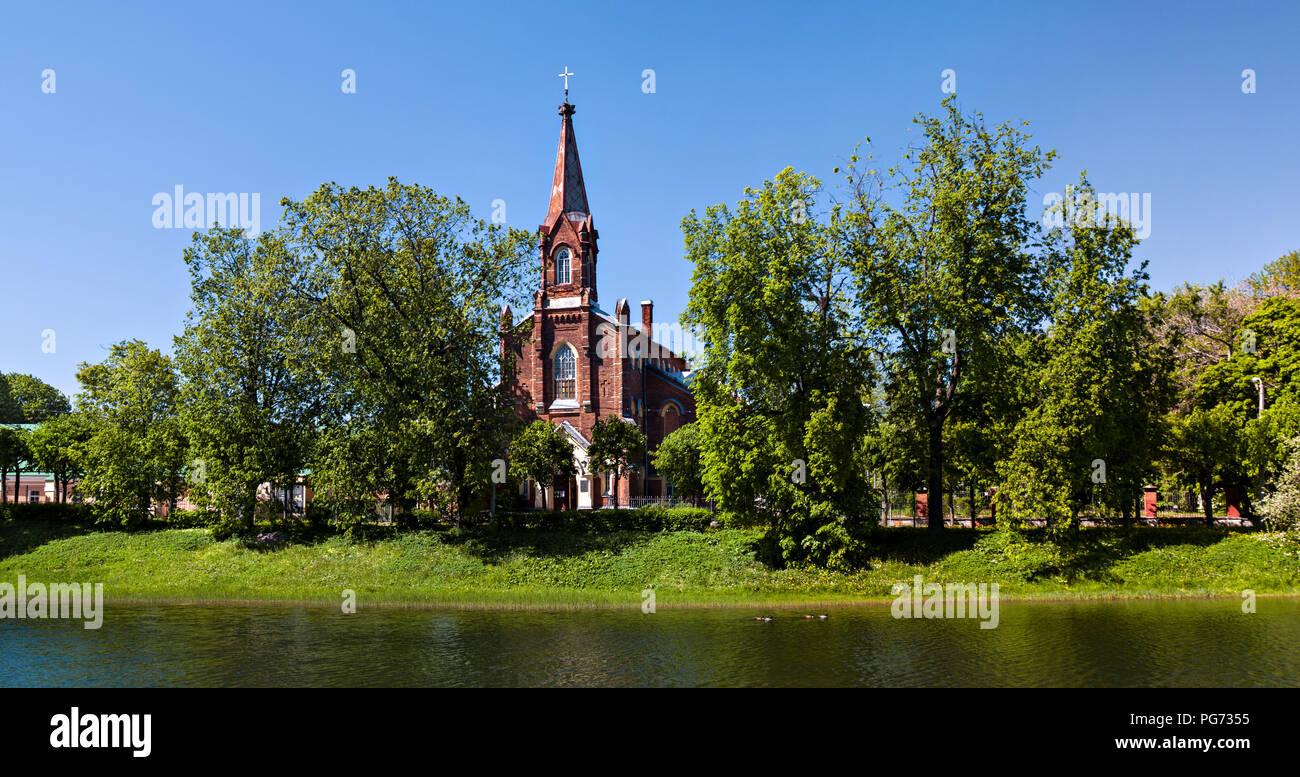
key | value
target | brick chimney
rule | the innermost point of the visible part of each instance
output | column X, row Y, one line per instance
column 647, row 318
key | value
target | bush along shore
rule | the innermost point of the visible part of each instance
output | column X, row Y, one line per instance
column 610, row 558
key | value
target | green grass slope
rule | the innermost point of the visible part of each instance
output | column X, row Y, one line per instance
column 565, row 569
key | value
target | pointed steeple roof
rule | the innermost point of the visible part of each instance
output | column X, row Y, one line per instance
column 568, row 194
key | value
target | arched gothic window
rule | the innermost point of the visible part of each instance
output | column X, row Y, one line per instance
column 562, row 261
column 565, row 373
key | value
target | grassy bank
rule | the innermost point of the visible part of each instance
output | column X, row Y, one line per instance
column 565, row 569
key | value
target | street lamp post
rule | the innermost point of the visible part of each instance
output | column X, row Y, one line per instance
column 1259, row 385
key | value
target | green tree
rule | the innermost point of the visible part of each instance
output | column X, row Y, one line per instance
column 1281, row 508
column 1203, row 446
column 1266, row 444
column 1098, row 386
column 26, row 399
column 893, row 453
column 136, row 456
column 542, row 451
column 59, row 446
column 14, row 454
column 994, row 402
column 410, row 287
column 9, row 412
column 248, row 354
column 1279, row 278
column 1205, row 322
column 678, row 459
column 782, row 385
column 945, row 272
column 1267, row 352
column 1268, row 347
column 616, row 446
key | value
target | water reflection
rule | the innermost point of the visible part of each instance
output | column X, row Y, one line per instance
column 1079, row 644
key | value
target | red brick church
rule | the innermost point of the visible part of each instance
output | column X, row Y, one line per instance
column 581, row 363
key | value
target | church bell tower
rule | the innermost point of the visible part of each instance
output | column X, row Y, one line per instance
column 567, row 238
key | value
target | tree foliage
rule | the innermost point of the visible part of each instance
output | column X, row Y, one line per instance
column 250, row 395
column 678, row 460
column 14, row 455
column 945, row 272
column 136, row 456
column 60, row 447
column 543, row 452
column 26, row 399
column 408, row 287
column 782, row 383
column 1281, row 508
column 615, row 448
column 1098, row 384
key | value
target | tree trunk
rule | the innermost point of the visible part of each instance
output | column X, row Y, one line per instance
column 1207, row 504
column 18, row 484
column 934, row 501
column 1247, row 504
column 884, row 500
column 251, row 507
column 4, row 486
column 974, row 504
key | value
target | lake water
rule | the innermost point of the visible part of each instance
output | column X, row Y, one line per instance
column 1207, row 642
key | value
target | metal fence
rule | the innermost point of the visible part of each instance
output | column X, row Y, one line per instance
column 666, row 501
column 899, row 508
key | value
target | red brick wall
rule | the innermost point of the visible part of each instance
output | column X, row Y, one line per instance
column 610, row 385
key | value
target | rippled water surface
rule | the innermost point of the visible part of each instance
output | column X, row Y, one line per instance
column 1140, row 643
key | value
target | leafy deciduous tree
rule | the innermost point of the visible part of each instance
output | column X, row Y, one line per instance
column 616, row 446
column 137, row 453
column 410, row 286
column 542, row 451
column 59, row 446
column 946, row 273
column 249, row 400
column 678, row 459
column 783, row 384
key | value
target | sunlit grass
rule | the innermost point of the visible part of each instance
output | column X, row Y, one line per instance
column 536, row 569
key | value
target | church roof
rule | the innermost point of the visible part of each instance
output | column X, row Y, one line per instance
column 568, row 193
column 684, row 378
column 575, row 435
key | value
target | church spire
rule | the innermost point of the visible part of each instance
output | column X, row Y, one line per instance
column 567, row 239
column 568, row 194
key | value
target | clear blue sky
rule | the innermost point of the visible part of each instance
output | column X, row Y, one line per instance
column 245, row 97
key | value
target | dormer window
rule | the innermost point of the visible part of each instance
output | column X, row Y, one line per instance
column 563, row 260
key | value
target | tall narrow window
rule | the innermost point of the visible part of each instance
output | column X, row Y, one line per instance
column 562, row 260
column 564, row 374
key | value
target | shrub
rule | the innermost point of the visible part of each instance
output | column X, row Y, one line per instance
column 317, row 515
column 422, row 519
column 190, row 519
column 742, row 521
column 1281, row 509
column 1016, row 556
column 46, row 511
column 640, row 519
